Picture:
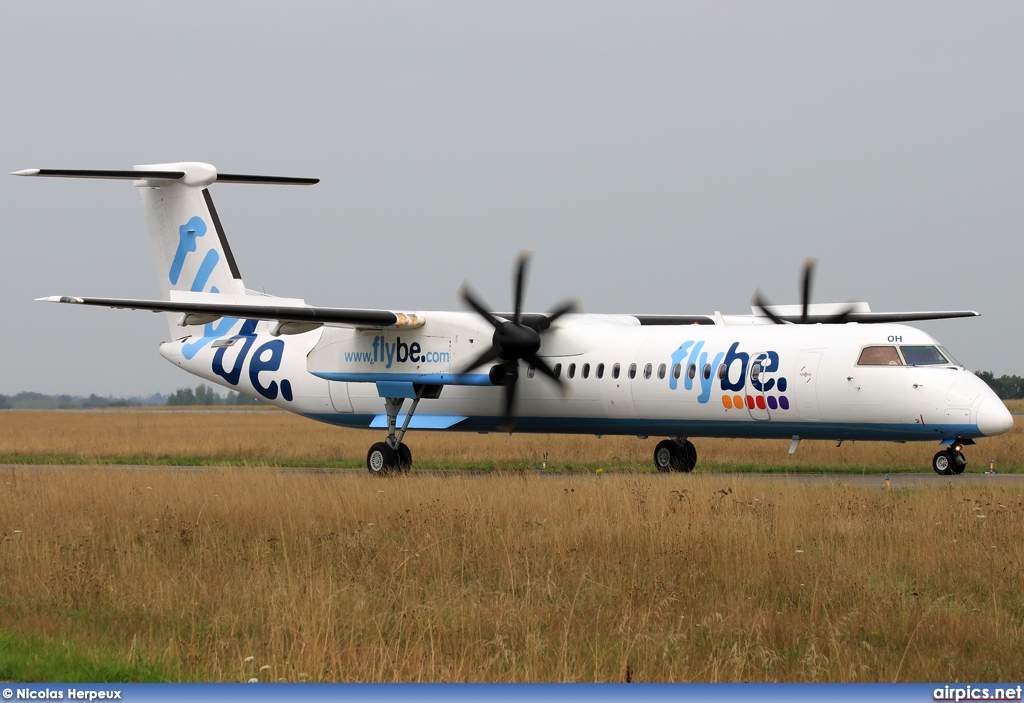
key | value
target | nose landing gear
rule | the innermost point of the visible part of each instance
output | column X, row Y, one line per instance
column 949, row 462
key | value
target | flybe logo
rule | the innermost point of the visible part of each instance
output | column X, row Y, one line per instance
column 390, row 352
column 759, row 388
column 265, row 359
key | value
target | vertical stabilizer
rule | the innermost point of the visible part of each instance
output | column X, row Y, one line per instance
column 192, row 253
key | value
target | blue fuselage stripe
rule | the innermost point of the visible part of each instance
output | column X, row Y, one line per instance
column 691, row 428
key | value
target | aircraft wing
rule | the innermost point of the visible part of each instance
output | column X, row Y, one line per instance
column 283, row 310
column 873, row 317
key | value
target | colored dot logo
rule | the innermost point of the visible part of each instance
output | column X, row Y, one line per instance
column 761, row 402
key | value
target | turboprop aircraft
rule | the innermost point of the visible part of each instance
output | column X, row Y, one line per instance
column 829, row 372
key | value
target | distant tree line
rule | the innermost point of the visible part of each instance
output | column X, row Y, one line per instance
column 205, row 395
column 1006, row 387
column 29, row 400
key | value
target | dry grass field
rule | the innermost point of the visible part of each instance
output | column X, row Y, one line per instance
column 271, row 438
column 511, row 576
column 186, row 574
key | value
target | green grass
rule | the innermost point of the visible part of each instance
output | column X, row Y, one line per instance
column 33, row 658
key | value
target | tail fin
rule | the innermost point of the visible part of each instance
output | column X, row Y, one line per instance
column 192, row 253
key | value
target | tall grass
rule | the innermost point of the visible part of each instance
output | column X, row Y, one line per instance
column 281, row 439
column 516, row 577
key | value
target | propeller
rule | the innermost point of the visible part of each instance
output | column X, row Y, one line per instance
column 515, row 340
column 762, row 304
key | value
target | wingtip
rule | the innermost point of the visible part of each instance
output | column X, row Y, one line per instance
column 26, row 172
column 58, row 299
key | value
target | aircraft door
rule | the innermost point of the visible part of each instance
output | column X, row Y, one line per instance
column 805, row 385
column 758, row 383
column 339, row 396
column 616, row 385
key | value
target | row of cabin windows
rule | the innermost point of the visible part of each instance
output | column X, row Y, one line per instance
column 648, row 372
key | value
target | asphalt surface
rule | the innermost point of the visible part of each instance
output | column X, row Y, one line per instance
column 896, row 480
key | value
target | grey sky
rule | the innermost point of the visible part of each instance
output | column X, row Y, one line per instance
column 656, row 157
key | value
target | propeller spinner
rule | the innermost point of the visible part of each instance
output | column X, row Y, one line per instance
column 514, row 340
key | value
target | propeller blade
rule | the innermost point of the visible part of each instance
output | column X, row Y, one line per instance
column 805, row 301
column 520, row 285
column 840, row 318
column 763, row 305
column 563, row 309
column 467, row 295
column 492, row 354
column 510, row 370
column 510, row 404
column 542, row 366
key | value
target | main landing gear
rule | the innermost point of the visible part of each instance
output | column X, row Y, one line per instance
column 675, row 454
column 391, row 454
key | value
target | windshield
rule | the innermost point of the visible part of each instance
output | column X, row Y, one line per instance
column 879, row 356
column 924, row 356
column 949, row 356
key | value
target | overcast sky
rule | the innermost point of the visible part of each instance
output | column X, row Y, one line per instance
column 656, row 157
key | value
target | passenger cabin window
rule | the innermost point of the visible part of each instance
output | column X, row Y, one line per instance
column 600, row 370
column 879, row 356
column 647, row 371
column 707, row 372
column 923, row 356
column 557, row 370
column 677, row 371
column 722, row 371
column 755, row 371
column 571, row 373
column 615, row 371
column 691, row 372
column 661, row 371
column 530, row 371
column 632, row 371
column 585, row 371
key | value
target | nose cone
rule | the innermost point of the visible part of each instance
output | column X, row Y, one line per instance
column 993, row 417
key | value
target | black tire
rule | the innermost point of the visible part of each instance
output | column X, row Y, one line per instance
column 959, row 463
column 943, row 462
column 404, row 458
column 672, row 456
column 666, row 456
column 381, row 459
column 687, row 457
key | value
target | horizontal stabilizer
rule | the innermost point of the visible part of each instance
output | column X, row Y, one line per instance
column 288, row 312
column 95, row 173
column 162, row 175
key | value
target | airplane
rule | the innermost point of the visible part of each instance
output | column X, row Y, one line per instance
column 810, row 371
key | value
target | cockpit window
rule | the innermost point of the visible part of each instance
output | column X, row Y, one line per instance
column 945, row 353
column 924, row 356
column 879, row 356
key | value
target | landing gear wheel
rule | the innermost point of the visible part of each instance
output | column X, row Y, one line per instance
column 666, row 456
column 944, row 462
column 670, row 455
column 381, row 459
column 404, row 458
column 689, row 456
column 959, row 463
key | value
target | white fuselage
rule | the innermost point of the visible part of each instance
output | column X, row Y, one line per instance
column 808, row 383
